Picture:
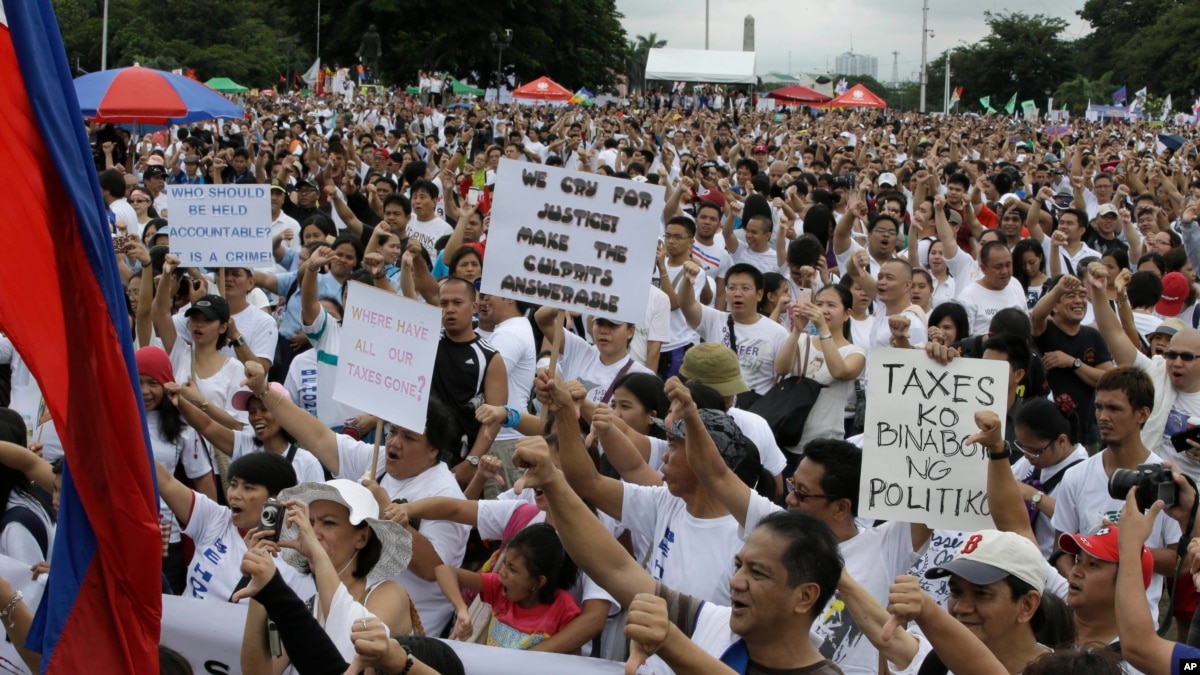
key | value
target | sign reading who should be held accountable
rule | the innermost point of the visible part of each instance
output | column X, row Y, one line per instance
column 577, row 241
column 221, row 225
column 916, row 465
column 385, row 361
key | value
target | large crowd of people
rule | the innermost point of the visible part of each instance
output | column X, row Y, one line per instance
column 627, row 503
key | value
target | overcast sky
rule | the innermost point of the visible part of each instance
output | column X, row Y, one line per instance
column 816, row 31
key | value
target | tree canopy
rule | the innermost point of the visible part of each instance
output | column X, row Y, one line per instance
column 578, row 43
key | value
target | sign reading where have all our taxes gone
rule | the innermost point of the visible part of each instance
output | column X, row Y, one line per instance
column 221, row 225
column 385, row 360
column 916, row 464
column 577, row 241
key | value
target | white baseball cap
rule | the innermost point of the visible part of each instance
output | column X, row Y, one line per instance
column 888, row 179
column 989, row 556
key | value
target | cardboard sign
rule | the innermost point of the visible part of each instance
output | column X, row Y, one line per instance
column 916, row 465
column 221, row 225
column 385, row 363
column 577, row 241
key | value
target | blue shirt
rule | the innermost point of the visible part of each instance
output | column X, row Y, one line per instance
column 328, row 288
column 1181, row 652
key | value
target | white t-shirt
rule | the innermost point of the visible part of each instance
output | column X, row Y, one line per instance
column 215, row 569
column 873, row 557
column 304, row 463
column 983, row 303
column 303, row 382
column 448, row 539
column 428, row 232
column 187, row 450
column 1171, row 411
column 1082, row 504
column 754, row 427
column 126, row 216
column 218, row 389
column 712, row 258
column 581, row 361
column 656, row 327
column 326, row 338
column 691, row 555
column 513, row 338
column 681, row 333
column 258, row 327
column 1023, row 470
column 285, row 223
column 18, row 542
column 757, row 345
column 767, row 261
column 826, row 419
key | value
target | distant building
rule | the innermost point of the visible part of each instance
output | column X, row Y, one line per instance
column 853, row 64
column 748, row 34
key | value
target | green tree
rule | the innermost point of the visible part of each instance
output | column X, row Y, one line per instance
column 1114, row 23
column 1161, row 58
column 1022, row 53
column 639, row 51
column 1076, row 93
column 576, row 43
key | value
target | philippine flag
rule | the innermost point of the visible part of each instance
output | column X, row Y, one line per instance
column 62, row 306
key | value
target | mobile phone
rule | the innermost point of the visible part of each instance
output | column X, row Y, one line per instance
column 803, row 295
column 473, row 196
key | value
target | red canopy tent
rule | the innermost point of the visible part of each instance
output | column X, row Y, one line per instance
column 857, row 96
column 542, row 89
column 796, row 93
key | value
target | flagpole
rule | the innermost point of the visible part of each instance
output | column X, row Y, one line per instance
column 104, row 39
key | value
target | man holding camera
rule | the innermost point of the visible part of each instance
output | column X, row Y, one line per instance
column 1124, row 399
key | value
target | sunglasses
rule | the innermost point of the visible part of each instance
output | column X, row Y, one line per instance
column 1186, row 357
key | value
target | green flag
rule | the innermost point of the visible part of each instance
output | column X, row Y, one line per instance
column 986, row 102
column 1028, row 106
column 1011, row 105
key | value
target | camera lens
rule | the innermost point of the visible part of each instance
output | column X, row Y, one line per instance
column 1122, row 481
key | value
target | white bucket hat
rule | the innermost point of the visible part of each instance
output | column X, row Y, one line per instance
column 395, row 540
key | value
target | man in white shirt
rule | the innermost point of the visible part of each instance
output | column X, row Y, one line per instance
column 513, row 338
column 755, row 338
column 122, row 218
column 651, row 334
column 1124, row 399
column 994, row 291
column 756, row 250
column 425, row 225
column 282, row 223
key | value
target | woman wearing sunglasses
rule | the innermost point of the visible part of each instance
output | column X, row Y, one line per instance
column 1045, row 437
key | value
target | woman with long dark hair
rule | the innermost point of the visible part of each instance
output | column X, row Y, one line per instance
column 27, row 526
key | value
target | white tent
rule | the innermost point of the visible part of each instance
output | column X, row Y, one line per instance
column 700, row 65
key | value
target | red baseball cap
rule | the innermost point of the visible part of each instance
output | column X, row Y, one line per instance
column 759, row 148
column 1103, row 545
column 1174, row 294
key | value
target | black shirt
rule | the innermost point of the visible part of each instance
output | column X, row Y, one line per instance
column 1088, row 346
column 459, row 373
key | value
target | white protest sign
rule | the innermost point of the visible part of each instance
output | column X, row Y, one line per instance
column 19, row 576
column 385, row 363
column 573, row 240
column 207, row 634
column 916, row 466
column 221, row 225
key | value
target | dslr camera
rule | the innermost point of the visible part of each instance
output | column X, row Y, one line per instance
column 1153, row 482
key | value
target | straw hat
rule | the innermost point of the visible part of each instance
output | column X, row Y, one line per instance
column 395, row 540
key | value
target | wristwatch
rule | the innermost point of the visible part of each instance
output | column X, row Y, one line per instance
column 473, row 460
column 238, row 341
column 1036, row 499
column 1077, row 364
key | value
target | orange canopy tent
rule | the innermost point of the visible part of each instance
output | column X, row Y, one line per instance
column 796, row 93
column 542, row 89
column 857, row 96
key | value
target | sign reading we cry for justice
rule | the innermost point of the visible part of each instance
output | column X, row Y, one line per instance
column 573, row 240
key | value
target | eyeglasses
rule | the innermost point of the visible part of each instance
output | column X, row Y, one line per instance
column 1186, row 357
column 802, row 497
column 1030, row 451
column 885, row 232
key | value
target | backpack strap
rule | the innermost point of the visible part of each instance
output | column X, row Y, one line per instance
column 1049, row 485
column 291, row 453
column 732, row 334
column 25, row 517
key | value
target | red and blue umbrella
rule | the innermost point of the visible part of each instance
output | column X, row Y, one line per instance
column 149, row 96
